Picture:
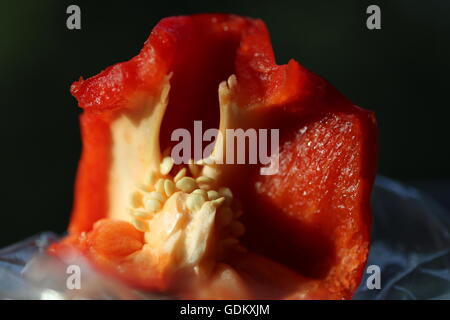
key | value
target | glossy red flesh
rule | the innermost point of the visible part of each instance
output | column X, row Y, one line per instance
column 316, row 209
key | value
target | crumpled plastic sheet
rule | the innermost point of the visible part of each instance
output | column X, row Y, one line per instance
column 410, row 244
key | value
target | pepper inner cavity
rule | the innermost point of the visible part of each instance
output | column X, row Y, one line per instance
column 190, row 219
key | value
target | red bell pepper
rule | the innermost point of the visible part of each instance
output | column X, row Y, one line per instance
column 306, row 227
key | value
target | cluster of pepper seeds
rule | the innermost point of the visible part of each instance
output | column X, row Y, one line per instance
column 196, row 180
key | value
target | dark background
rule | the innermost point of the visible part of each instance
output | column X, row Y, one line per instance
column 401, row 72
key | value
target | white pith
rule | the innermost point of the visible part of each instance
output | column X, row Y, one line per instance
column 189, row 217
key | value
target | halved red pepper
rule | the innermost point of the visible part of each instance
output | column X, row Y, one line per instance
column 307, row 226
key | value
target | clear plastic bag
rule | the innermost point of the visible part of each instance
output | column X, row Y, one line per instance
column 410, row 244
